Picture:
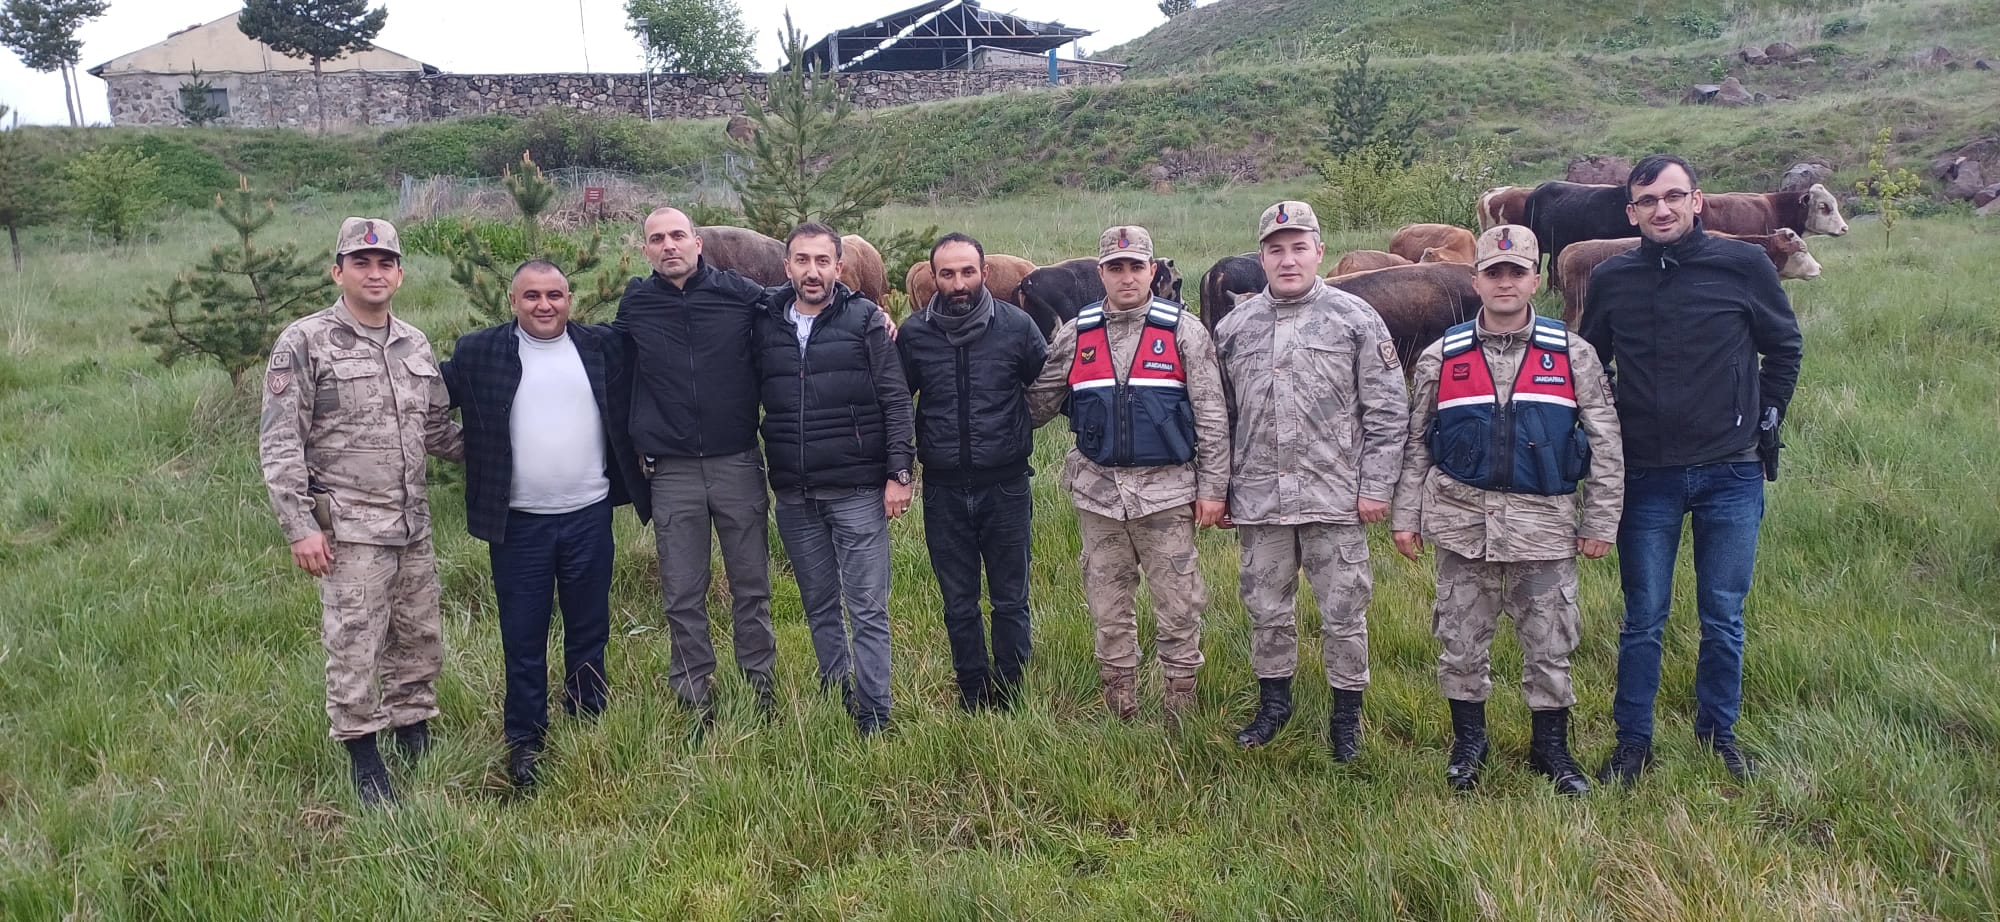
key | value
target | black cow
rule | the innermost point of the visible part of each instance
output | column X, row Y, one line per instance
column 1053, row 294
column 1562, row 213
column 1224, row 281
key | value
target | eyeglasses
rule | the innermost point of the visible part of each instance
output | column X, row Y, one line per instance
column 1673, row 200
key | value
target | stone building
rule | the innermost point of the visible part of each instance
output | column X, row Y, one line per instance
column 941, row 49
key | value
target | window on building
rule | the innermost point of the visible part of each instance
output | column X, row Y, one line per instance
column 220, row 100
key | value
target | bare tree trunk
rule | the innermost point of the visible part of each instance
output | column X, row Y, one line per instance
column 319, row 96
column 14, row 237
column 76, row 84
column 68, row 100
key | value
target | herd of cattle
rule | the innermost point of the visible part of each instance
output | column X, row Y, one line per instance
column 1421, row 285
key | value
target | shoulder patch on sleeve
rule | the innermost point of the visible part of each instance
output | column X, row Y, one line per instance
column 281, row 359
column 1389, row 357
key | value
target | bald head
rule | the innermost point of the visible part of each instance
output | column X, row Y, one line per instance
column 671, row 245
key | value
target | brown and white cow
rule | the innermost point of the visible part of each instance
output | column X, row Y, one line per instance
column 1503, row 205
column 1786, row 250
column 1813, row 211
column 1452, row 243
column 1364, row 260
column 1003, row 275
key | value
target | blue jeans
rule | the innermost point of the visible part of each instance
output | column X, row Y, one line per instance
column 1726, row 502
column 839, row 545
column 546, row 557
column 965, row 526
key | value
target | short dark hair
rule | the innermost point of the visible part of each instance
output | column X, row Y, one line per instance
column 538, row 264
column 813, row 229
column 340, row 259
column 956, row 237
column 1652, row 166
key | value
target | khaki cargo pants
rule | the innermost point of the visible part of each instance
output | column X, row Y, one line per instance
column 1335, row 558
column 379, row 622
column 1540, row 595
column 1162, row 546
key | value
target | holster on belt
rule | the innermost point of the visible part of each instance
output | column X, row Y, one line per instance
column 322, row 507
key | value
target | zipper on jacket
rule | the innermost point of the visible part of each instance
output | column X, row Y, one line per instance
column 1122, row 403
column 694, row 375
column 964, row 412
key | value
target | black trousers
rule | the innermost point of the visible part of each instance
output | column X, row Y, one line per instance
column 965, row 528
column 546, row 558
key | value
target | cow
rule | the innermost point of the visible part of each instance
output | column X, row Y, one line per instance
column 1053, row 294
column 750, row 254
column 1453, row 243
column 1416, row 302
column 1813, row 211
column 1786, row 249
column 1503, row 205
column 1561, row 213
column 861, row 268
column 1231, row 278
column 1363, row 260
column 1003, row 276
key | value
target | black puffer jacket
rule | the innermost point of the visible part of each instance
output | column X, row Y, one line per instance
column 838, row 415
column 972, row 407
column 694, row 384
column 1679, row 329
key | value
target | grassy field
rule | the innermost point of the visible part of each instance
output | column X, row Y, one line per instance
column 166, row 757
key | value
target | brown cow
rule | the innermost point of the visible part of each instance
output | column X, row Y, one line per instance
column 1453, row 243
column 1503, row 205
column 1363, row 260
column 1786, row 249
column 1003, row 275
column 1417, row 303
column 1814, row 211
column 750, row 254
column 861, row 268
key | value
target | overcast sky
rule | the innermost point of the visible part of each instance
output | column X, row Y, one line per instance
column 516, row 36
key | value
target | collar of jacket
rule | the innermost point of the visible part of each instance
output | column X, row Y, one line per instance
column 346, row 318
column 1690, row 244
column 1312, row 294
column 781, row 298
column 695, row 280
column 1506, row 339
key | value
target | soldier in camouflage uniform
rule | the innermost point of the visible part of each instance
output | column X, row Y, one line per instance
column 1317, row 415
column 352, row 403
column 1511, row 412
column 1137, row 378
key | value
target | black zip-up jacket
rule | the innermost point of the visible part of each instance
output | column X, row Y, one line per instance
column 694, row 383
column 839, row 414
column 973, row 426
column 1680, row 329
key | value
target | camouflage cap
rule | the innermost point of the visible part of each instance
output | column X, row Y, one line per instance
column 1287, row 216
column 1126, row 241
column 1507, row 243
column 357, row 234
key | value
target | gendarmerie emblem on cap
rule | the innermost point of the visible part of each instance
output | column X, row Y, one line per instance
column 368, row 233
column 1282, row 216
column 1506, row 238
column 1123, row 241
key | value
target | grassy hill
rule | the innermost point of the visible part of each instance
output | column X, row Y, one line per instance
column 166, row 755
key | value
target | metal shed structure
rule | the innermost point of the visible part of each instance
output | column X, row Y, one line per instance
column 938, row 35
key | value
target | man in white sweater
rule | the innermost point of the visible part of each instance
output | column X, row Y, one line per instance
column 547, row 457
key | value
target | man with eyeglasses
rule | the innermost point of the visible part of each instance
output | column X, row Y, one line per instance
column 1703, row 351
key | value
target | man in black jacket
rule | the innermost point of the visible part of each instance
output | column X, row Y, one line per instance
column 837, row 432
column 969, row 359
column 1680, row 323
column 694, row 425
column 547, row 457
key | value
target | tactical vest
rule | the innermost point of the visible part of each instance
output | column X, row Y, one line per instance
column 1145, row 420
column 1531, row 444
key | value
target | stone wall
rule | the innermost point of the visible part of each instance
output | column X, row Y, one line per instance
column 353, row 100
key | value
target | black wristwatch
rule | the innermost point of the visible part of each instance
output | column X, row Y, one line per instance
column 902, row 477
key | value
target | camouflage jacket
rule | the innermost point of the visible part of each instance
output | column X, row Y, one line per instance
column 1317, row 410
column 1502, row 527
column 353, row 419
column 1127, row 493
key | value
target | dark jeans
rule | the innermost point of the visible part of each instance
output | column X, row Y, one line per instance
column 966, row 526
column 545, row 557
column 691, row 496
column 1726, row 502
column 839, row 547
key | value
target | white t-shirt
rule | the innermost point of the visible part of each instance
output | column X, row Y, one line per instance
column 805, row 326
column 557, row 435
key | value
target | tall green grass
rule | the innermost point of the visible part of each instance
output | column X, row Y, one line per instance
column 165, row 753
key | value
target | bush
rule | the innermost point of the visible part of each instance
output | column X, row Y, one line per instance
column 115, row 192
column 505, row 240
column 188, row 175
column 1364, row 188
column 289, row 162
column 442, row 148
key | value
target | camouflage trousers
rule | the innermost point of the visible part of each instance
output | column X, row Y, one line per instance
column 1335, row 558
column 379, row 622
column 1540, row 595
column 1162, row 546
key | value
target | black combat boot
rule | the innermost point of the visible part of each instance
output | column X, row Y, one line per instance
column 1468, row 744
column 1343, row 728
column 371, row 777
column 1549, row 753
column 1274, row 710
column 414, row 740
column 1627, row 762
column 522, row 759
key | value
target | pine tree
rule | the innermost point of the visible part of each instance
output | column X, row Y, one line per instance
column 798, row 170
column 43, row 33
column 231, row 308
column 1172, row 8
column 317, row 30
column 486, row 278
column 25, row 197
column 195, row 105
